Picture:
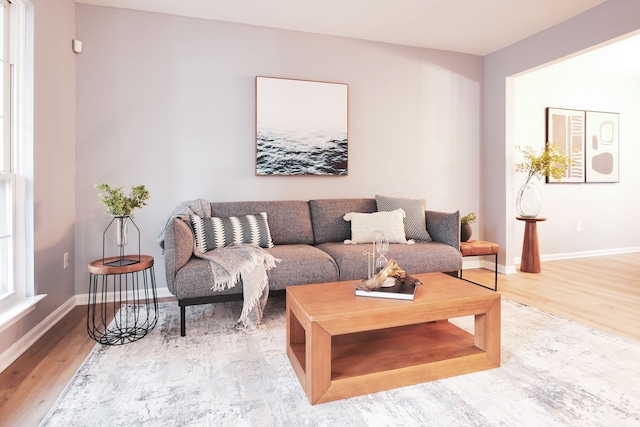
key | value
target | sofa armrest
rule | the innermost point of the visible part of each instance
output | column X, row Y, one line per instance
column 444, row 227
column 178, row 248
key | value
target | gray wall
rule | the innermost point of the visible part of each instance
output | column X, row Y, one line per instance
column 600, row 24
column 169, row 102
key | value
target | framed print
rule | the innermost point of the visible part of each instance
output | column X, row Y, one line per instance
column 566, row 129
column 301, row 127
column 602, row 157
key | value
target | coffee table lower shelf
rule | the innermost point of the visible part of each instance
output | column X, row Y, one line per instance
column 378, row 360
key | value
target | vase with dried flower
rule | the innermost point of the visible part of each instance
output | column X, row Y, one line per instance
column 550, row 163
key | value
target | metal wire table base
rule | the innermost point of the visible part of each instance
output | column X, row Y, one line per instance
column 127, row 291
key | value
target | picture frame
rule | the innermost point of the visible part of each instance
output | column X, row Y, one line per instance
column 602, row 147
column 302, row 127
column 566, row 129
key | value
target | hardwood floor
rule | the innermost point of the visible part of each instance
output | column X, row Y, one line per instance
column 603, row 292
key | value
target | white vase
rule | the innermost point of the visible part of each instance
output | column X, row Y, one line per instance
column 528, row 202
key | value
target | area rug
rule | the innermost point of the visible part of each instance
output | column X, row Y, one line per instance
column 554, row 372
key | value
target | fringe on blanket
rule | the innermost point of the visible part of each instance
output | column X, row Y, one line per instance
column 246, row 262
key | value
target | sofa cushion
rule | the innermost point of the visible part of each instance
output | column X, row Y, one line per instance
column 328, row 224
column 444, row 227
column 301, row 265
column 193, row 280
column 422, row 257
column 365, row 225
column 217, row 232
column 415, row 222
column 289, row 220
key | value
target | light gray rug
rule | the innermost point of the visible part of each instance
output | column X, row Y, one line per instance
column 554, row 372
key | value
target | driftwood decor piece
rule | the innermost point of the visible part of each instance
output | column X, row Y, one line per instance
column 391, row 270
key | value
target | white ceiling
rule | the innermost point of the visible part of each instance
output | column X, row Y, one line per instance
column 478, row 27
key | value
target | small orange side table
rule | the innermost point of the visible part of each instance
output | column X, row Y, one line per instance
column 530, row 262
column 481, row 248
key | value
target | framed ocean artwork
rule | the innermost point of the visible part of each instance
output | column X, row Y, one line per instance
column 302, row 127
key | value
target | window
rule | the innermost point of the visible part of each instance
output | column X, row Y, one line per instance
column 16, row 160
column 7, row 179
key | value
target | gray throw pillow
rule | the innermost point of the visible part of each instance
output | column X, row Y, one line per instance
column 415, row 222
column 218, row 232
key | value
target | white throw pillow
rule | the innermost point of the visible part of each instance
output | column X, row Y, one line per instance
column 364, row 225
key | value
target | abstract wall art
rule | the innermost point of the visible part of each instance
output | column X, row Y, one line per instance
column 301, row 127
column 565, row 129
column 591, row 140
column 602, row 147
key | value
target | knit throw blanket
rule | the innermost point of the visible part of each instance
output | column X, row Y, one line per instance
column 232, row 263
column 247, row 262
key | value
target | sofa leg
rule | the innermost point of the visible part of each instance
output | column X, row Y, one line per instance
column 183, row 331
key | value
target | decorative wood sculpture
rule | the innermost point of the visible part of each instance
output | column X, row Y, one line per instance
column 390, row 270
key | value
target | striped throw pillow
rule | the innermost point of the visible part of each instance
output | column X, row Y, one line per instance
column 218, row 232
column 415, row 222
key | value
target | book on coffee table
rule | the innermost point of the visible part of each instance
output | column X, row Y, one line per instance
column 401, row 290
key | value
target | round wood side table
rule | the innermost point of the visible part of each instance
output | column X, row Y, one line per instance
column 530, row 262
column 128, row 291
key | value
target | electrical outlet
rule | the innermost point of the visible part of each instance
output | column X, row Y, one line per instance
column 578, row 226
column 65, row 260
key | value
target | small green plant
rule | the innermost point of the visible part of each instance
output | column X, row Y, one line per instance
column 550, row 162
column 117, row 204
column 468, row 219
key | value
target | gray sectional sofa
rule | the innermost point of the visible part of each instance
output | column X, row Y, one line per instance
column 308, row 238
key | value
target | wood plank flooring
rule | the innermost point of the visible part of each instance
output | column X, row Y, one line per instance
column 603, row 292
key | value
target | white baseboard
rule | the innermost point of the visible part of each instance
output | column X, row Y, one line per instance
column 584, row 254
column 19, row 347
column 587, row 254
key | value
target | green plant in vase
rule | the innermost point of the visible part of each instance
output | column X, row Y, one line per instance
column 549, row 163
column 465, row 226
column 121, row 206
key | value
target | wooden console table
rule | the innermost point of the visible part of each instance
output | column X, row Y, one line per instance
column 530, row 262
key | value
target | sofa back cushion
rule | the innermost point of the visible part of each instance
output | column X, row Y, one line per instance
column 289, row 220
column 327, row 215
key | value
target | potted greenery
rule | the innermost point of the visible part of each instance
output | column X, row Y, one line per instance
column 117, row 204
column 121, row 206
column 549, row 163
column 465, row 226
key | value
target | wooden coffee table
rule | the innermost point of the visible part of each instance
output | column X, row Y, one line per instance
column 341, row 345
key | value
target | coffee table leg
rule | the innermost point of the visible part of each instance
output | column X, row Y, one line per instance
column 487, row 332
column 318, row 361
column 295, row 331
